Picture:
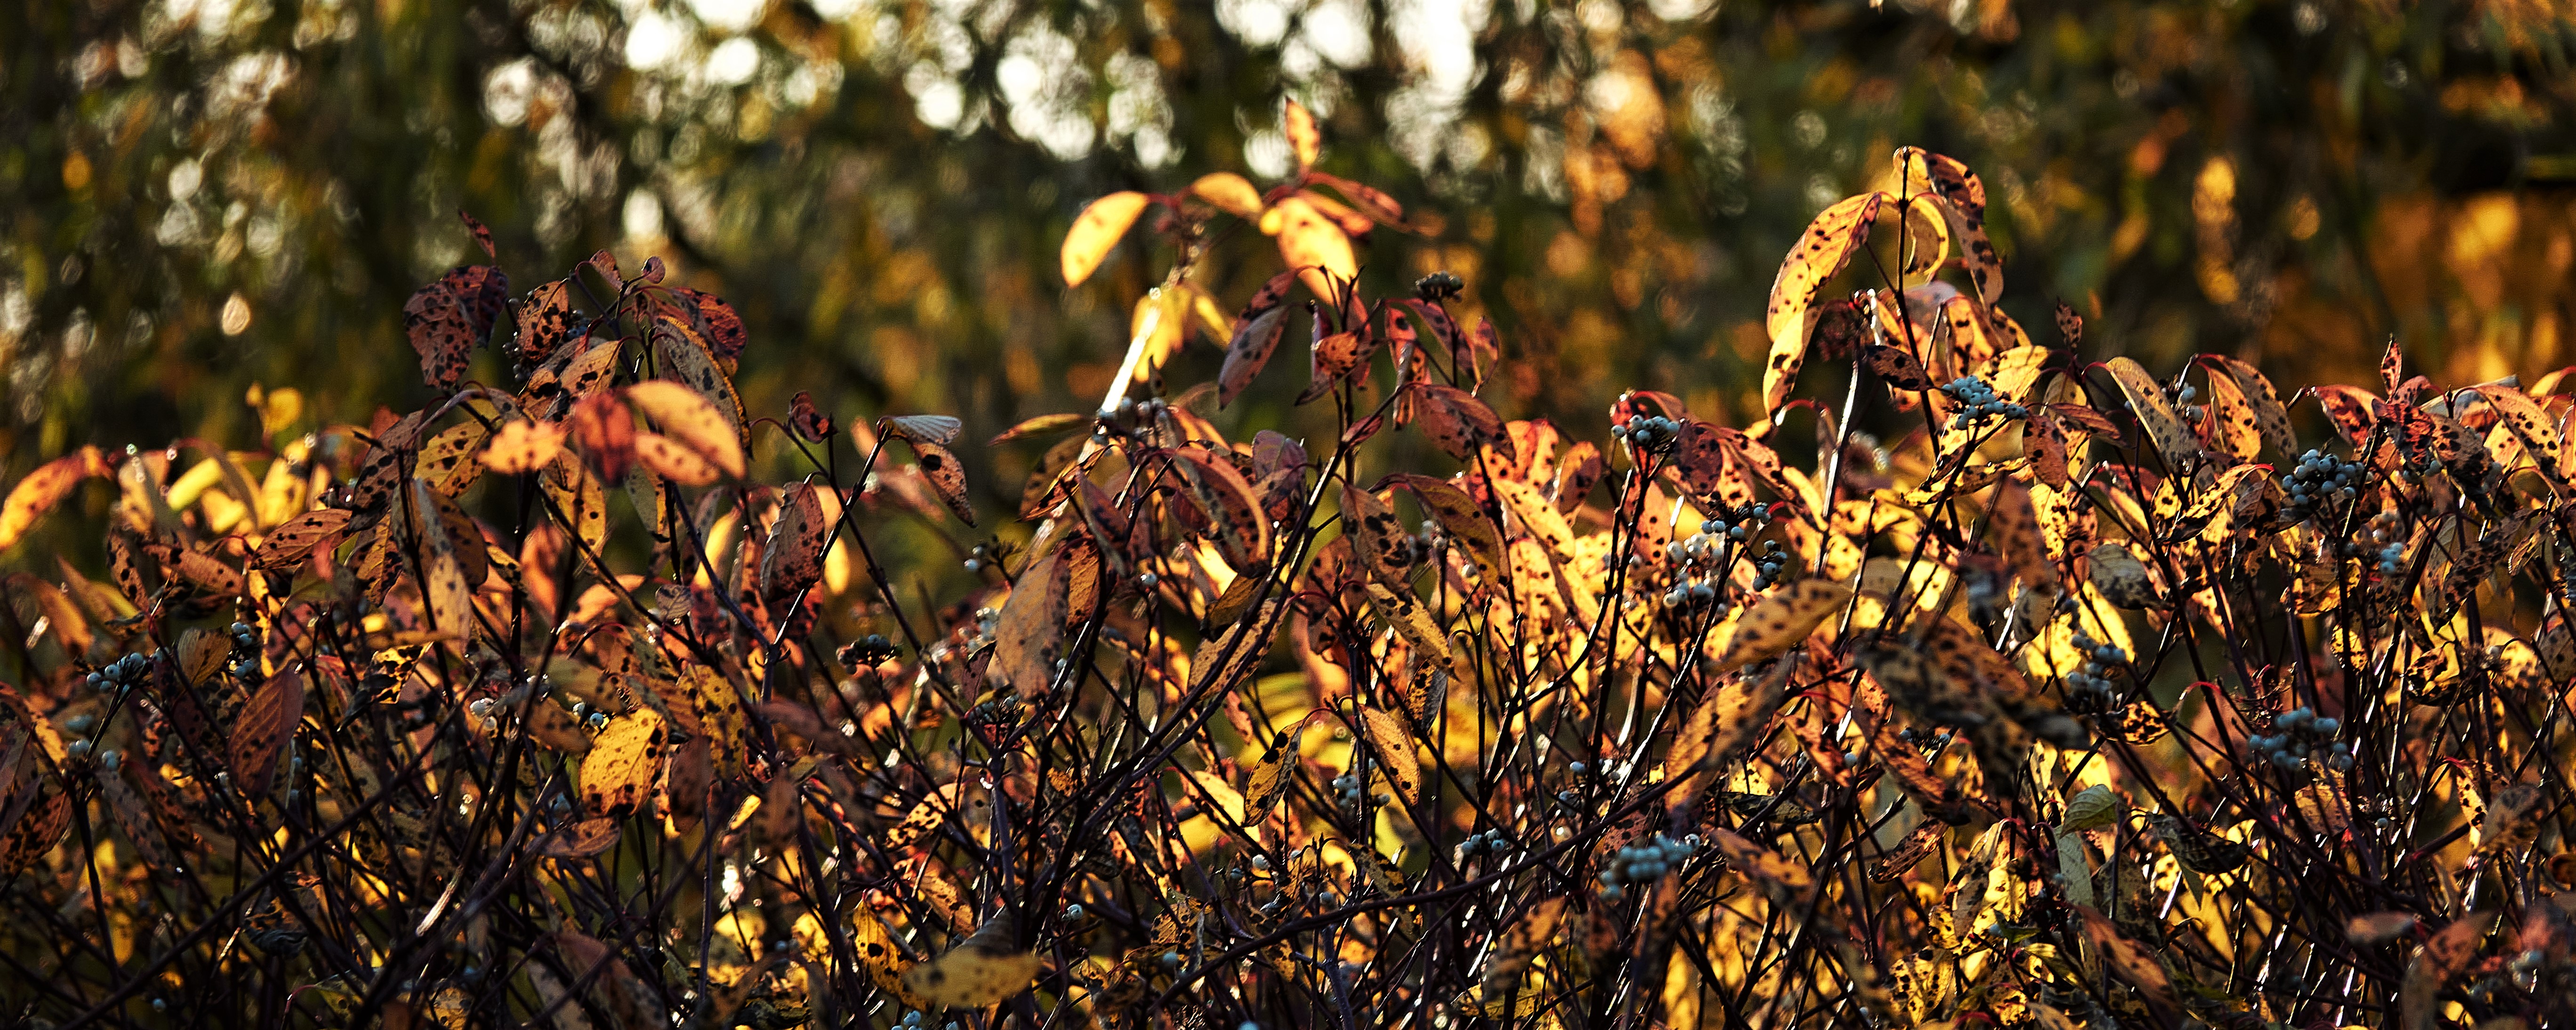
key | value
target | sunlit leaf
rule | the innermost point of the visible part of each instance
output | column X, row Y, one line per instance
column 1096, row 230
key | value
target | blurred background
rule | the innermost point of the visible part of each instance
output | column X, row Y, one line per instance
column 197, row 196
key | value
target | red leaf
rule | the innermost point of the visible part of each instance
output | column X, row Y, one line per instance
column 482, row 235
column 1456, row 421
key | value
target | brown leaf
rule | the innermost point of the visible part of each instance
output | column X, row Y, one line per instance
column 295, row 539
column 435, row 320
column 1457, row 515
column 792, row 561
column 1043, row 425
column 716, row 321
column 583, row 839
column 1233, row 508
column 604, row 431
column 545, row 320
column 1029, row 637
column 946, row 475
column 1898, row 368
column 1253, row 342
column 1096, row 230
column 1456, row 421
column 2122, row 578
column 2447, row 955
column 1962, row 198
column 260, row 732
column 1828, row 245
column 2179, row 445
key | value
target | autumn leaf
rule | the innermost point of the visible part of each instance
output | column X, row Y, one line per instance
column 1961, row 199
column 688, row 418
column 987, row 969
column 2446, row 955
column 1828, row 245
column 1250, row 349
column 1312, row 242
column 625, row 760
column 1096, row 230
column 1304, row 139
column 1456, row 421
column 946, row 475
column 1230, row 193
column 1393, row 750
column 43, row 488
column 1782, row 621
column 933, row 429
column 2180, row 447
column 523, row 446
column 260, row 732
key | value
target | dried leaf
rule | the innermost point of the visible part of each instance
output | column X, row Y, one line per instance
column 2446, row 955
column 1253, row 343
column 295, row 540
column 933, row 429
column 259, row 734
column 946, row 475
column 1456, row 421
column 522, row 446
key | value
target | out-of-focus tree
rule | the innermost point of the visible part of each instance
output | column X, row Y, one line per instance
column 198, row 195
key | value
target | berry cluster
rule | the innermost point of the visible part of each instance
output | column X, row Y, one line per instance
column 2300, row 734
column 1645, row 863
column 2320, row 478
column 122, row 674
column 868, row 650
column 1438, row 286
column 245, row 651
column 1979, row 402
column 1489, row 842
column 915, row 1021
column 1650, row 434
column 2185, row 396
column 2089, row 689
column 1348, row 787
column 1769, row 565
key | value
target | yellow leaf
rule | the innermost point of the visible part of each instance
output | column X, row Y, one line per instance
column 2172, row 439
column 1393, row 749
column 624, row 761
column 1230, row 193
column 689, row 418
column 1303, row 137
column 48, row 484
column 1310, row 243
column 1782, row 621
column 1096, row 230
column 523, row 446
column 985, row 970
column 1828, row 245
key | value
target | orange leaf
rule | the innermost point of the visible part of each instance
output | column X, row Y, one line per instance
column 43, row 488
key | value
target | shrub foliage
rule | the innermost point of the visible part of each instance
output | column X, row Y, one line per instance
column 1982, row 681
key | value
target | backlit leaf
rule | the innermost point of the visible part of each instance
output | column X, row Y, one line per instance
column 625, row 760
column 260, row 732
column 688, row 418
column 1783, row 620
column 1096, row 230
column 1828, row 245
